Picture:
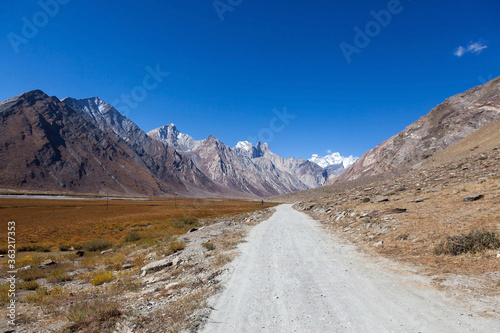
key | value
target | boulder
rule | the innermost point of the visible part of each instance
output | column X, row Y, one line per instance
column 473, row 197
column 381, row 199
column 156, row 266
column 46, row 263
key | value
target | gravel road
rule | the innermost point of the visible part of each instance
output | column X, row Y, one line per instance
column 293, row 277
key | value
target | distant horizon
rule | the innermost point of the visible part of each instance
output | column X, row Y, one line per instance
column 340, row 77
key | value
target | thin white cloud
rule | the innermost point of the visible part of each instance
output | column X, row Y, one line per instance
column 475, row 48
column 329, row 151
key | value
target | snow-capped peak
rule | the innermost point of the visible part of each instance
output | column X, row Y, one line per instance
column 244, row 145
column 172, row 137
column 333, row 159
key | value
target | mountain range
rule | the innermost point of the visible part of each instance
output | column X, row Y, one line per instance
column 448, row 123
column 86, row 145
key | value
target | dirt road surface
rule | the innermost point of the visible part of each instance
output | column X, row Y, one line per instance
column 293, row 277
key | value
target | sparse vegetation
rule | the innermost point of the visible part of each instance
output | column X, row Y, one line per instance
column 473, row 242
column 32, row 274
column 132, row 236
column 33, row 248
column 137, row 231
column 58, row 275
column 176, row 246
column 208, row 245
column 64, row 247
column 29, row 285
column 97, row 245
column 4, row 293
column 186, row 222
column 93, row 316
column 101, row 277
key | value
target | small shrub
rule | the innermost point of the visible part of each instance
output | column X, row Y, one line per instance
column 32, row 274
column 176, row 246
column 33, row 248
column 97, row 245
column 209, row 246
column 186, row 222
column 64, row 247
column 365, row 200
column 132, row 236
column 58, row 276
column 101, row 277
column 4, row 293
column 125, row 284
column 29, row 285
column 37, row 297
column 93, row 316
column 42, row 294
column 473, row 242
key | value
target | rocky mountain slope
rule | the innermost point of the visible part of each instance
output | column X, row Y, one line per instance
column 244, row 168
column 86, row 145
column 446, row 124
column 47, row 145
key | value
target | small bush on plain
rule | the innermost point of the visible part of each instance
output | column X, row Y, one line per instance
column 473, row 242
column 93, row 316
column 208, row 245
column 176, row 246
column 186, row 222
column 132, row 236
column 97, row 245
column 101, row 277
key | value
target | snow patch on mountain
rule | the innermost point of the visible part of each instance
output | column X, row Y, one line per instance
column 244, row 145
column 172, row 137
column 333, row 159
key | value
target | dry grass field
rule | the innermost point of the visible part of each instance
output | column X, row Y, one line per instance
column 105, row 286
column 49, row 223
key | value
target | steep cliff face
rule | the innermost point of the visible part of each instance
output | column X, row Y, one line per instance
column 47, row 145
column 446, row 124
column 249, row 169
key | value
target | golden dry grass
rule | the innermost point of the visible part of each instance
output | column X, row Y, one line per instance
column 52, row 222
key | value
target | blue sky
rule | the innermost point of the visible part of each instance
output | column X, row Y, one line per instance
column 231, row 77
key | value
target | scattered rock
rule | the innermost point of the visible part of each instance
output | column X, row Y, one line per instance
column 341, row 216
column 381, row 199
column 192, row 230
column 127, row 266
column 473, row 197
column 25, row 268
column 379, row 243
column 80, row 253
column 156, row 266
column 420, row 199
column 105, row 252
column 394, row 210
column 46, row 263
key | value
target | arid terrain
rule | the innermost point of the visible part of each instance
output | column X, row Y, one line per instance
column 442, row 218
column 141, row 266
